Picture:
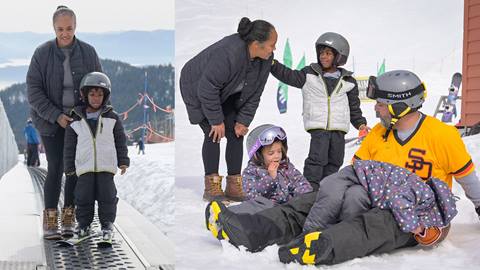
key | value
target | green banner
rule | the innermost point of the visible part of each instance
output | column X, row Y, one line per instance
column 301, row 64
column 381, row 70
column 282, row 90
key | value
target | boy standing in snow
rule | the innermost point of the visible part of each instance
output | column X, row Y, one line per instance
column 330, row 104
column 95, row 145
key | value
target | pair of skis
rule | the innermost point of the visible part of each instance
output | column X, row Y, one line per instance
column 75, row 240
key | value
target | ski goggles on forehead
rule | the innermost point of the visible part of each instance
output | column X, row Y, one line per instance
column 374, row 92
column 267, row 137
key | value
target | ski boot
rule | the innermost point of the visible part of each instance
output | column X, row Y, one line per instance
column 81, row 232
column 50, row 224
column 107, row 236
column 226, row 225
column 308, row 248
column 212, row 221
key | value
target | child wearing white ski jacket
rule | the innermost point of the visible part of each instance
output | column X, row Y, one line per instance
column 330, row 104
column 95, row 145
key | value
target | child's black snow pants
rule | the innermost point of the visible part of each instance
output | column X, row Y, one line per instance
column 100, row 187
column 325, row 156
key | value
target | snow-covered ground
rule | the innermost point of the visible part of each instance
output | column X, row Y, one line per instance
column 149, row 182
column 425, row 41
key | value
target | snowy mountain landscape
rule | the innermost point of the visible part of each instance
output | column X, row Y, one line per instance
column 408, row 34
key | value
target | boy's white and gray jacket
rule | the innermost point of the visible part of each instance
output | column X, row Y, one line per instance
column 101, row 148
column 325, row 106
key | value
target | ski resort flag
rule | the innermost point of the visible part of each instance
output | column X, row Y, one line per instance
column 301, row 64
column 381, row 70
column 282, row 90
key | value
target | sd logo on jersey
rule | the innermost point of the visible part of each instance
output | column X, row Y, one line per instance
column 417, row 164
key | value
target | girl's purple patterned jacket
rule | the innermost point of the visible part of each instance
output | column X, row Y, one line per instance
column 412, row 201
column 288, row 183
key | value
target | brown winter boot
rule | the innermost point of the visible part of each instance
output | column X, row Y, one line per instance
column 213, row 188
column 234, row 190
column 50, row 224
column 68, row 221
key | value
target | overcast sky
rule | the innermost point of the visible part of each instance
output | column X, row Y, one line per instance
column 421, row 35
column 92, row 15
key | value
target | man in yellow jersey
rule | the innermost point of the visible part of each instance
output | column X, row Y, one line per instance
column 405, row 137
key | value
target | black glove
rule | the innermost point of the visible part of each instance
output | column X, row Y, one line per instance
column 478, row 211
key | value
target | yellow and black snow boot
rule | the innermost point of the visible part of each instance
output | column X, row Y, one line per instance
column 212, row 221
column 308, row 248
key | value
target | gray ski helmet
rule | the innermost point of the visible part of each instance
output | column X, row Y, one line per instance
column 254, row 140
column 336, row 42
column 401, row 90
column 398, row 86
column 95, row 79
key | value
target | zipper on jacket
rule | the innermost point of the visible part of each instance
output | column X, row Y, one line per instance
column 95, row 142
column 336, row 89
column 328, row 112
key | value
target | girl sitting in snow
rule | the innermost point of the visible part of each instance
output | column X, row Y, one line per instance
column 269, row 178
column 415, row 204
column 422, row 208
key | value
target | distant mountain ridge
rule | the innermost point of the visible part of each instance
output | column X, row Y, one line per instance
column 127, row 83
column 136, row 47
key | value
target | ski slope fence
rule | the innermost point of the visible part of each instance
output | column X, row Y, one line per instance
column 8, row 146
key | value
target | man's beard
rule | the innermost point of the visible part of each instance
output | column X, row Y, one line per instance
column 384, row 122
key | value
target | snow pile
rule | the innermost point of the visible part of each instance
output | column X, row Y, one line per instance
column 8, row 146
column 148, row 184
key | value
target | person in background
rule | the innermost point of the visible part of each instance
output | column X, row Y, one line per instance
column 31, row 136
column 141, row 146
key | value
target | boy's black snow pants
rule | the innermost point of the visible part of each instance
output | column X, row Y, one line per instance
column 234, row 149
column 100, row 187
column 325, row 156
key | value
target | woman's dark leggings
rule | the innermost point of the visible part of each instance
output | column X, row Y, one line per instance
column 234, row 151
column 53, row 183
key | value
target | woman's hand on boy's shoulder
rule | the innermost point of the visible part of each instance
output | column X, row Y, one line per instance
column 123, row 169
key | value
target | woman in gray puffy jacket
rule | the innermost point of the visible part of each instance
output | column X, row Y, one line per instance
column 53, row 80
column 221, row 87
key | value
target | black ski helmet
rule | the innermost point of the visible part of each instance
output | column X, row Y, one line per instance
column 401, row 90
column 336, row 42
column 98, row 80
